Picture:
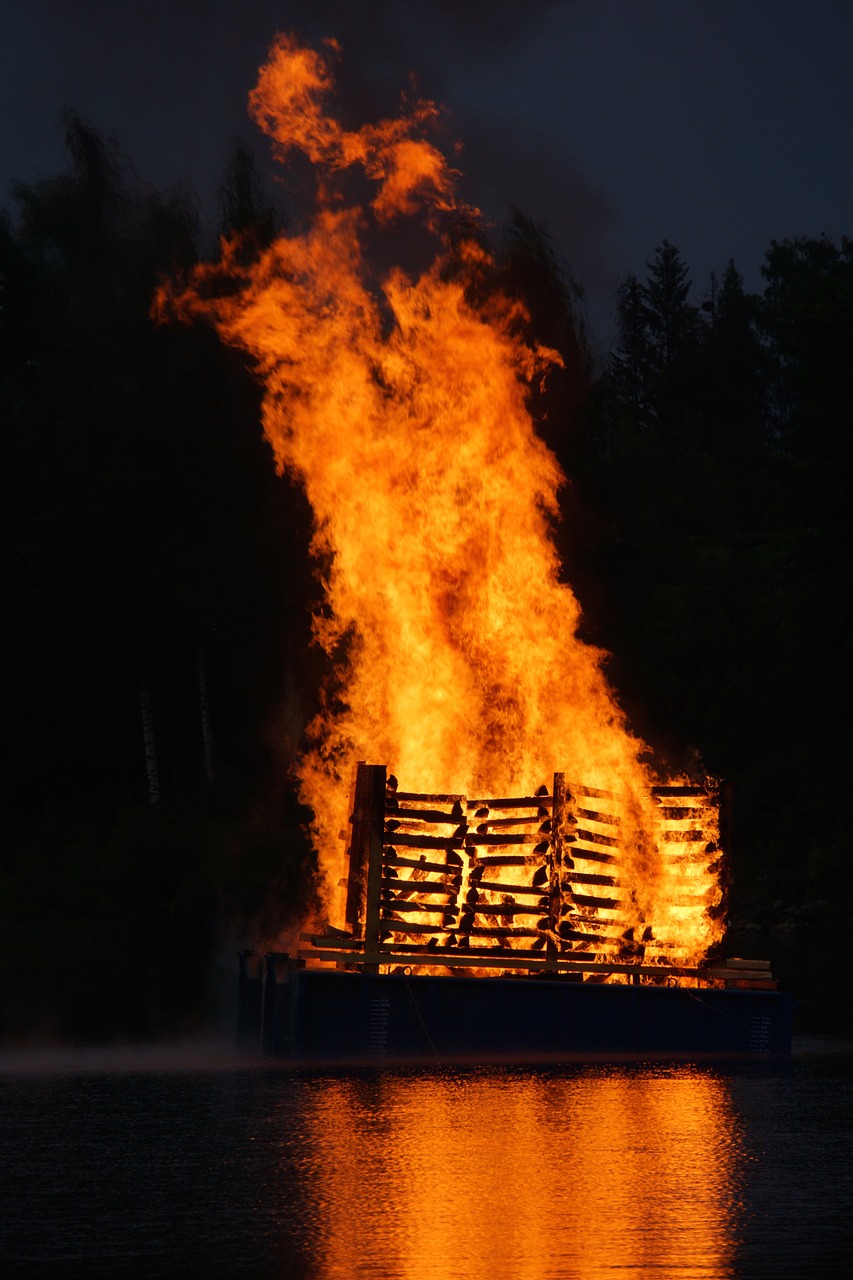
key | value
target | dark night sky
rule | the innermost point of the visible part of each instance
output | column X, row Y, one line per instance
column 718, row 124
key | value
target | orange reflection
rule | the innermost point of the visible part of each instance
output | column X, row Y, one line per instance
column 487, row 1174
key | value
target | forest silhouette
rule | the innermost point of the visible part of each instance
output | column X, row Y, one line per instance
column 160, row 591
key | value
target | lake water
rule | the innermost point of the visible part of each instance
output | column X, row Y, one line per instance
column 192, row 1165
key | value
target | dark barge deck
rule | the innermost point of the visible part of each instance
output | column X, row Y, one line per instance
column 330, row 1016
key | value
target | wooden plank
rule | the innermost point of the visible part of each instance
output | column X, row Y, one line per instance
column 392, row 859
column 472, row 958
column 594, row 815
column 578, row 935
column 496, row 886
column 604, row 904
column 417, row 908
column 407, row 840
column 420, row 884
column 507, row 860
column 553, row 867
column 690, row 836
column 504, row 909
column 735, row 962
column 410, row 926
column 590, row 877
column 395, row 903
column 608, row 926
column 593, row 837
column 511, row 822
column 738, row 975
column 427, row 949
column 510, row 837
column 427, row 796
column 510, row 802
column 358, row 850
column 435, row 816
column 591, row 855
column 376, row 785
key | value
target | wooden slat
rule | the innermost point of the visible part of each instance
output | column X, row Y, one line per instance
column 435, row 816
column 508, row 822
column 400, row 904
column 463, row 958
column 496, row 886
column 510, row 837
column 412, row 840
column 504, row 909
column 510, row 802
column 358, row 849
column 507, row 860
column 392, row 859
column 409, row 926
column 608, row 819
column 738, row 975
column 376, row 785
column 578, row 935
column 404, row 882
column 501, row 931
column 603, row 904
column 593, row 837
column 427, row 797
column 590, row 877
column 395, row 896
column 590, row 855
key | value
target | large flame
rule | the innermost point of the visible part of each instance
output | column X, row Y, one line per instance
column 401, row 404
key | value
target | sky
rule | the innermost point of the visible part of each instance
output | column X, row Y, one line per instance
column 719, row 125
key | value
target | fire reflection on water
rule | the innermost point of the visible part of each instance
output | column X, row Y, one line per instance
column 508, row 1174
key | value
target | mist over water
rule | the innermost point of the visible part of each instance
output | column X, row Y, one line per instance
column 156, row 1162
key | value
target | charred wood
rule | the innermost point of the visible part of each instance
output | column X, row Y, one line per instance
column 412, row 840
column 426, row 797
column 393, row 860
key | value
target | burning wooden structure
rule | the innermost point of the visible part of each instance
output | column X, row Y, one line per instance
column 499, row 927
column 527, row 883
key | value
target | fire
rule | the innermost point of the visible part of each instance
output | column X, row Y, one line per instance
column 401, row 403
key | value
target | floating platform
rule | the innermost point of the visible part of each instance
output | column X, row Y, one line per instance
column 503, row 929
column 331, row 1016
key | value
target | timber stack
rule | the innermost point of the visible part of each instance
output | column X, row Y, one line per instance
column 499, row 928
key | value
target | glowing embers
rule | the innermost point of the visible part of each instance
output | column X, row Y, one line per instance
column 538, row 882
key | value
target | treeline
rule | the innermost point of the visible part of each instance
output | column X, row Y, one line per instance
column 710, row 463
column 160, row 591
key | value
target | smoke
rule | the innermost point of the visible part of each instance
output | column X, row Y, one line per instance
column 170, row 83
column 179, row 1055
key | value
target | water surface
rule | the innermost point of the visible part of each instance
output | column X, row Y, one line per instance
column 220, row 1169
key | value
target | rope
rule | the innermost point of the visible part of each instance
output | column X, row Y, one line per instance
column 418, row 1012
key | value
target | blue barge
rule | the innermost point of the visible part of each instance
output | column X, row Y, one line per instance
column 329, row 1016
column 504, row 929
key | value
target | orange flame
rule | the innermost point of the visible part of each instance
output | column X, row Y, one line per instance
column 402, row 407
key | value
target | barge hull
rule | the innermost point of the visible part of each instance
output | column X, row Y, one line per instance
column 330, row 1016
